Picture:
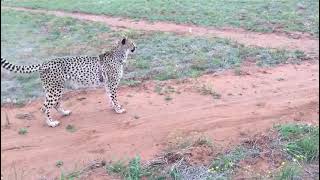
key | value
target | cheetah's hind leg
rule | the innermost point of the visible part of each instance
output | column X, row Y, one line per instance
column 59, row 109
column 52, row 100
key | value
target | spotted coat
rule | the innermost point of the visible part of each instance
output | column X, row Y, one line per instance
column 106, row 69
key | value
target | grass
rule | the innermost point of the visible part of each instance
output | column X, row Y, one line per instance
column 23, row 131
column 130, row 171
column 71, row 176
column 301, row 141
column 294, row 131
column 203, row 141
column 300, row 144
column 133, row 170
column 207, row 90
column 168, row 98
column 59, row 163
column 71, row 128
column 158, row 89
column 181, row 142
column 173, row 164
column 162, row 89
column 289, row 171
column 256, row 15
column 227, row 162
column 117, row 167
column 174, row 174
column 238, row 71
column 131, row 83
column 33, row 38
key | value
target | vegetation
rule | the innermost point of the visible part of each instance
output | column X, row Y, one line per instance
column 301, row 141
column 23, row 131
column 131, row 171
column 175, row 164
column 256, row 15
column 34, row 38
column 71, row 128
column 289, row 171
column 207, row 90
column 59, row 163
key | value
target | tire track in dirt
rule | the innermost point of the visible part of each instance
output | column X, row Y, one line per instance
column 249, row 104
column 298, row 41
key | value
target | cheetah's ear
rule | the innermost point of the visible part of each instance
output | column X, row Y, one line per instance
column 123, row 42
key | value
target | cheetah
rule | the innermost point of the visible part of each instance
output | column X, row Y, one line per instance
column 105, row 69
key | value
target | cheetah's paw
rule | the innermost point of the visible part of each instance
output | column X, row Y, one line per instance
column 53, row 123
column 120, row 110
column 66, row 113
column 63, row 112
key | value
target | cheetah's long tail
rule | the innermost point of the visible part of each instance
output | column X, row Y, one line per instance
column 19, row 69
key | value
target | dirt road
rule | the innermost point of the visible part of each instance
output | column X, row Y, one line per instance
column 248, row 103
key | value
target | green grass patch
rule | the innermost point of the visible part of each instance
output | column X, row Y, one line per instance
column 162, row 89
column 70, row 176
column 168, row 98
column 131, row 83
column 59, row 163
column 71, row 128
column 293, row 131
column 33, row 38
column 301, row 141
column 181, row 142
column 289, row 171
column 265, row 16
column 174, row 174
column 203, row 141
column 227, row 162
column 173, row 163
column 207, row 90
column 130, row 171
column 23, row 131
column 118, row 167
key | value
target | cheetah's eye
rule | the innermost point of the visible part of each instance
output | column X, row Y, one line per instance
column 123, row 41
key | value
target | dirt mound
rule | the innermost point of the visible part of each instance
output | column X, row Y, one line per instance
column 247, row 104
column 293, row 41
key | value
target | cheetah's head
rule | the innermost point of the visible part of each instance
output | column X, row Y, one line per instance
column 127, row 45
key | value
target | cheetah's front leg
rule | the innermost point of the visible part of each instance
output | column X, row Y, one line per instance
column 112, row 88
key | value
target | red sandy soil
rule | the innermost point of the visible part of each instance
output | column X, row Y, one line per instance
column 249, row 104
column 293, row 41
